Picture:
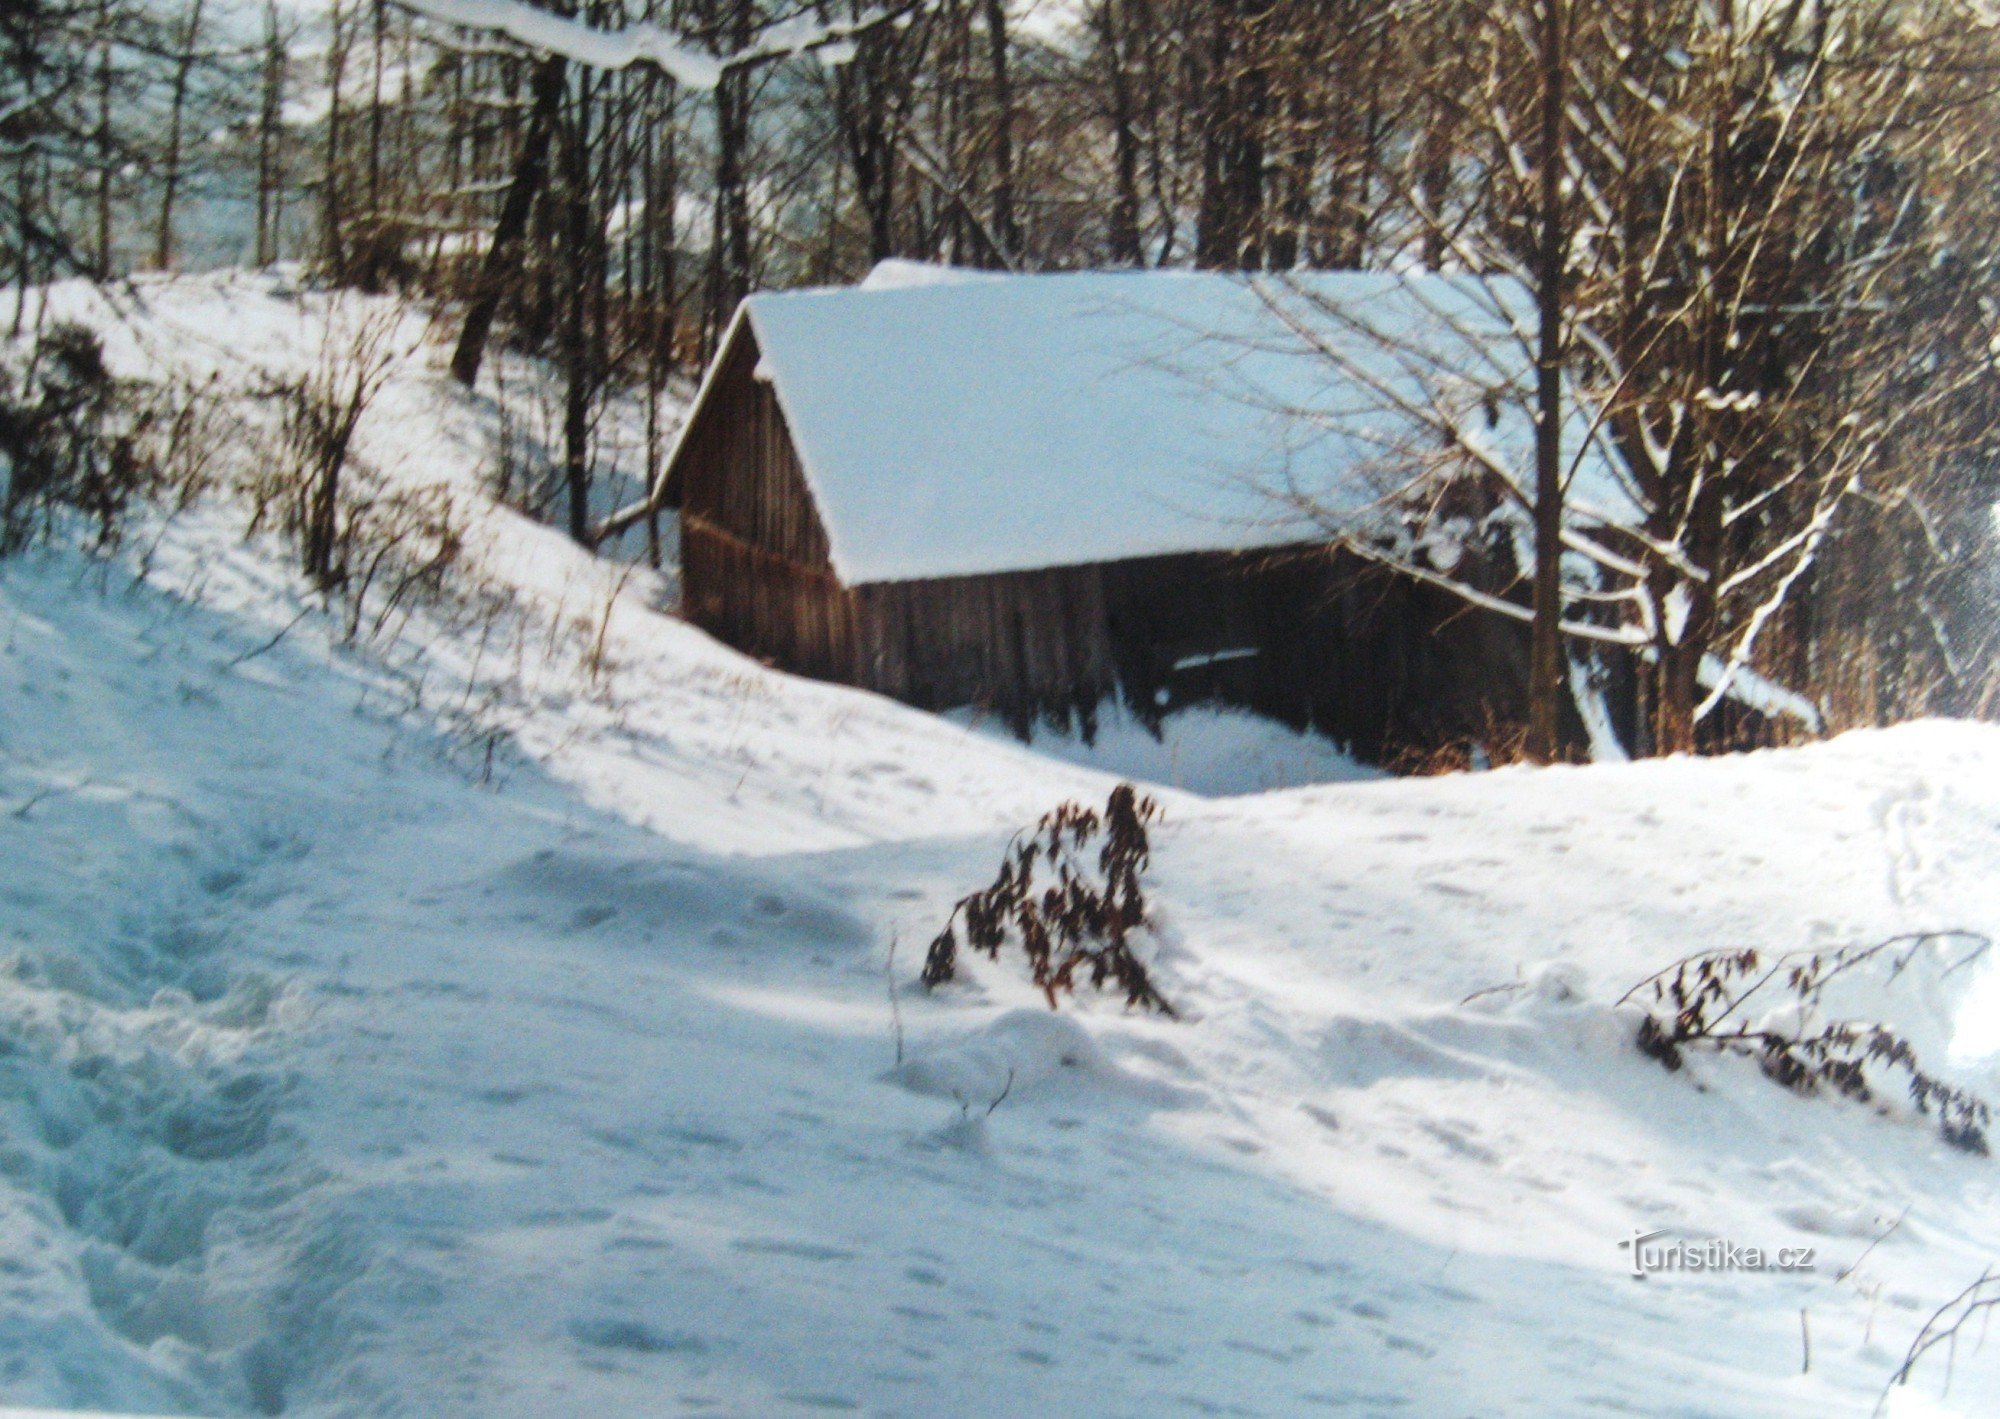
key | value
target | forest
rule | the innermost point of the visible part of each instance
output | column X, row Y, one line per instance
column 1758, row 239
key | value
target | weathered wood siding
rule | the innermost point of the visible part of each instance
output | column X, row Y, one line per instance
column 755, row 568
column 1024, row 644
column 1317, row 639
column 738, row 470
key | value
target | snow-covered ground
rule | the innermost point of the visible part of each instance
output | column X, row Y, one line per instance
column 1216, row 751
column 497, row 1019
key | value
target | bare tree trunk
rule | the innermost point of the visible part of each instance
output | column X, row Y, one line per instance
column 663, row 214
column 1006, row 228
column 374, row 234
column 1295, row 178
column 163, row 242
column 1437, row 145
column 107, row 148
column 375, row 112
column 662, row 192
column 1690, row 633
column 729, row 234
column 1123, row 236
column 1229, row 229
column 270, row 139
column 501, row 261
column 1545, row 677
column 867, row 104
column 333, row 211
column 580, row 276
column 24, row 255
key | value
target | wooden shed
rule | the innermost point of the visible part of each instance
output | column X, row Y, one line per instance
column 1037, row 494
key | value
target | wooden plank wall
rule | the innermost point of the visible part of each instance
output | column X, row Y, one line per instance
column 770, row 606
column 1312, row 638
column 755, row 563
column 738, row 471
column 1026, row 645
column 1316, row 639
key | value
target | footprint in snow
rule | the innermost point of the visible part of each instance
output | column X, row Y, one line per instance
column 1322, row 1116
column 803, row 1251
column 1451, row 889
column 624, row 1333
column 1457, row 1142
column 589, row 918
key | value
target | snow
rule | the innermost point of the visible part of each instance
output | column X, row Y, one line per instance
column 642, row 43
column 1748, row 687
column 1599, row 730
column 897, row 273
column 1212, row 750
column 954, row 423
column 345, row 1070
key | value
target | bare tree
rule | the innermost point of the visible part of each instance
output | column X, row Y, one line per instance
column 322, row 414
column 186, row 54
column 1738, row 259
column 502, row 257
column 271, row 135
column 1771, row 309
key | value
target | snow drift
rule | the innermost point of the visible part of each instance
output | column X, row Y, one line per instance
column 347, row 1070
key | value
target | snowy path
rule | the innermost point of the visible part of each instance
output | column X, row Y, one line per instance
column 339, row 1083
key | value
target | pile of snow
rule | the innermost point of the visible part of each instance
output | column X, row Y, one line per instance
column 1213, row 750
column 327, row 1036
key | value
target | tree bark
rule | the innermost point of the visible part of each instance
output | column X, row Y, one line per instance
column 862, row 100
column 1545, row 655
column 1123, row 235
column 1229, row 225
column 1006, row 228
column 270, row 137
column 107, row 148
column 163, row 242
column 729, row 236
column 502, row 254
column 333, row 213
column 581, row 276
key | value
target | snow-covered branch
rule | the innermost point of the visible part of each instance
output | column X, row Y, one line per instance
column 666, row 50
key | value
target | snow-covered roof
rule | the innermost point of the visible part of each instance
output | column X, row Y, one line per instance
column 966, row 423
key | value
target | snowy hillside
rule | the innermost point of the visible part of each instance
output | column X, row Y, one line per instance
column 501, row 1017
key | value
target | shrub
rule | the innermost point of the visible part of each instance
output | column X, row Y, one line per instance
column 1946, row 1325
column 1705, row 1002
column 1082, row 921
column 355, row 534
column 75, row 437
column 320, row 416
